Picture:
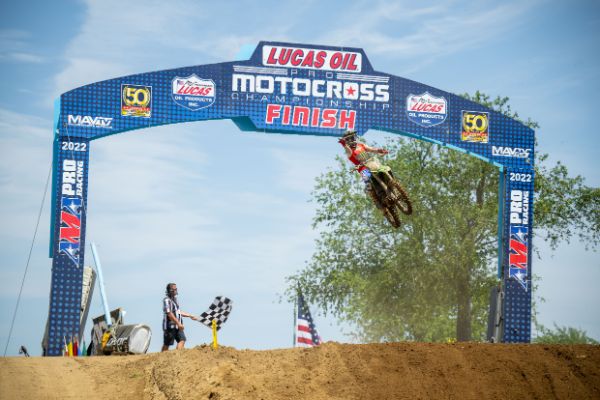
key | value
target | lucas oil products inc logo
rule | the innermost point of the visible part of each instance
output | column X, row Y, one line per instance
column 136, row 101
column 475, row 127
column 193, row 92
column 426, row 110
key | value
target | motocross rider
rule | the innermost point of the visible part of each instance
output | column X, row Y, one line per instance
column 361, row 155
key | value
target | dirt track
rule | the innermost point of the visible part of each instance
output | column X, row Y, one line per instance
column 332, row 371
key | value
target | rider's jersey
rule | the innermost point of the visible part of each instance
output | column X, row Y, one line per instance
column 361, row 157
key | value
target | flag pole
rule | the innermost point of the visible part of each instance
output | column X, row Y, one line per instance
column 215, row 345
column 295, row 314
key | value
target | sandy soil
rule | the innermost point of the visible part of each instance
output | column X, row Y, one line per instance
column 331, row 371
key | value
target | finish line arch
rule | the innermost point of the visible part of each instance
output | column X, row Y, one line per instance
column 286, row 88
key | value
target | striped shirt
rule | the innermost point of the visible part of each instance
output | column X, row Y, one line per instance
column 171, row 305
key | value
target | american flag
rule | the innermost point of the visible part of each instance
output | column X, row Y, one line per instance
column 306, row 332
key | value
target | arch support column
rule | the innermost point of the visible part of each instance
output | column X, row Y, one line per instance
column 516, row 254
column 67, row 241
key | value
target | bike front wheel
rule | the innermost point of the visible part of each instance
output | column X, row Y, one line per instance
column 392, row 216
column 402, row 201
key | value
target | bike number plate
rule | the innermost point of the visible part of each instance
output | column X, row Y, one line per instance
column 366, row 175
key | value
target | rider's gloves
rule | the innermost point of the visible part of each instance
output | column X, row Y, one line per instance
column 342, row 141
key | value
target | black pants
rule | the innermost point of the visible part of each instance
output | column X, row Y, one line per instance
column 173, row 334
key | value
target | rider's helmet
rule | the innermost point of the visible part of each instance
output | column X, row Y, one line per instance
column 350, row 138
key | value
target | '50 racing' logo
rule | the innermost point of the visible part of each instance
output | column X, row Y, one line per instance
column 475, row 127
column 136, row 101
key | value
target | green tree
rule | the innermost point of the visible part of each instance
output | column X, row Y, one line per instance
column 563, row 335
column 425, row 280
column 430, row 279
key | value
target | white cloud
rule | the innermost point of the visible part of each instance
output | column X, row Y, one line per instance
column 25, row 159
column 13, row 38
column 162, row 35
column 22, row 57
column 82, row 71
column 15, row 46
column 14, row 124
column 424, row 34
column 157, row 36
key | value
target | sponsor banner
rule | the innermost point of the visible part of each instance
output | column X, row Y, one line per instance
column 310, row 101
column 426, row 110
column 193, row 92
column 516, row 152
column 71, row 207
column 518, row 254
column 136, row 101
column 306, row 58
column 89, row 121
column 475, row 127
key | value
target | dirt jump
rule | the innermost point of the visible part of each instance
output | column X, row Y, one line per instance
column 330, row 371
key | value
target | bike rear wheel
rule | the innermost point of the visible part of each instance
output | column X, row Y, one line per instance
column 402, row 202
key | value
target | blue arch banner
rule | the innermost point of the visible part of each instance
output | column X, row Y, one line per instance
column 290, row 89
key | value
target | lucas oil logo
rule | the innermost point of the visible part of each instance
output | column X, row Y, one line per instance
column 193, row 92
column 426, row 110
column 475, row 127
column 136, row 101
column 320, row 59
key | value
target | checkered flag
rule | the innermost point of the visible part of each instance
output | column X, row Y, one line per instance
column 219, row 310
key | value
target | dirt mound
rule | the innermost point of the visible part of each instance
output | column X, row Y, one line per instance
column 331, row 371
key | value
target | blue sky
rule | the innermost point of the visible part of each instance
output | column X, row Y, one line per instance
column 224, row 212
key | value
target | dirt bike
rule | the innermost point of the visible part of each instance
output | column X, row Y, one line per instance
column 387, row 193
